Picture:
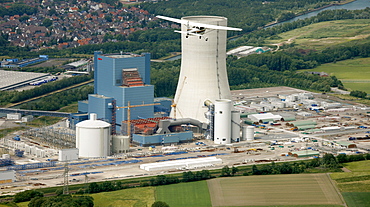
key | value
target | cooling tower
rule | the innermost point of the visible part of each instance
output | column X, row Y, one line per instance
column 203, row 69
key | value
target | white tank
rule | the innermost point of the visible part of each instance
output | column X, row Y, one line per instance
column 120, row 144
column 203, row 69
column 93, row 137
column 250, row 133
column 222, row 125
column 235, row 126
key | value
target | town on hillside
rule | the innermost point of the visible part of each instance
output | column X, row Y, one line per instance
column 71, row 23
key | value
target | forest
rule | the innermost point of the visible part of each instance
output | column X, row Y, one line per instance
column 17, row 9
column 246, row 14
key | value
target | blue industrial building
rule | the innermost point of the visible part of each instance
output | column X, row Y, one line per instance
column 15, row 63
column 164, row 139
column 119, row 80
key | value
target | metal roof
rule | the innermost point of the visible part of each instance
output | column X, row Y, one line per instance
column 8, row 78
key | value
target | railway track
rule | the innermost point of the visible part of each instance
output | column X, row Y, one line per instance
column 48, row 94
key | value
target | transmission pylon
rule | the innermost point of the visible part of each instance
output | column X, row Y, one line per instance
column 65, row 176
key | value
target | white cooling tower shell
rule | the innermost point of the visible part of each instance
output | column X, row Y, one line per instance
column 235, row 126
column 93, row 137
column 203, row 69
column 222, row 123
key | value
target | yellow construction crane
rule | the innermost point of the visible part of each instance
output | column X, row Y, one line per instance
column 128, row 107
column 174, row 102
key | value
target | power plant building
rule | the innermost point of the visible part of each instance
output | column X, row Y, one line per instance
column 120, row 79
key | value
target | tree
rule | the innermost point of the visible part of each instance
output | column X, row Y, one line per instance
column 160, row 204
column 47, row 22
column 342, row 158
column 225, row 171
column 188, row 176
column 107, row 186
column 27, row 195
column 255, row 170
column 94, row 188
column 358, row 94
column 329, row 161
column 62, row 200
column 234, row 170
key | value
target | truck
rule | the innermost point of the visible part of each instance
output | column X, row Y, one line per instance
column 17, row 138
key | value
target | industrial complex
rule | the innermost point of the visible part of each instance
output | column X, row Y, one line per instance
column 123, row 131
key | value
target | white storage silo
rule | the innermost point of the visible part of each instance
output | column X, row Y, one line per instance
column 222, row 122
column 235, row 126
column 250, row 133
column 120, row 144
column 93, row 137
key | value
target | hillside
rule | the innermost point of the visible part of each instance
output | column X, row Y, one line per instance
column 324, row 34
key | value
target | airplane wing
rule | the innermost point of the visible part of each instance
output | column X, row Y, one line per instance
column 190, row 23
column 211, row 26
column 172, row 19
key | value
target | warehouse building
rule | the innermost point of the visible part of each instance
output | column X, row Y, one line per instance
column 164, row 139
column 182, row 164
column 345, row 144
column 264, row 117
column 7, row 176
column 14, row 79
column 305, row 153
column 15, row 63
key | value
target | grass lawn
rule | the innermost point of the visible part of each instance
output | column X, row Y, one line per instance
column 133, row 197
column 72, row 108
column 357, row 199
column 184, row 194
column 360, row 166
column 44, row 121
column 22, row 204
column 354, row 73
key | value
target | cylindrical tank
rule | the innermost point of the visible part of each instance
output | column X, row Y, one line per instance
column 120, row 144
column 235, row 126
column 250, row 133
column 207, row 78
column 222, row 123
column 93, row 137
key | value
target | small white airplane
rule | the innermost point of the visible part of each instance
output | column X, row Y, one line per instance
column 197, row 29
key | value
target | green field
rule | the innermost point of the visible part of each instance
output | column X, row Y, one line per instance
column 355, row 185
column 274, row 190
column 359, row 199
column 134, row 197
column 324, row 34
column 185, row 194
column 354, row 73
